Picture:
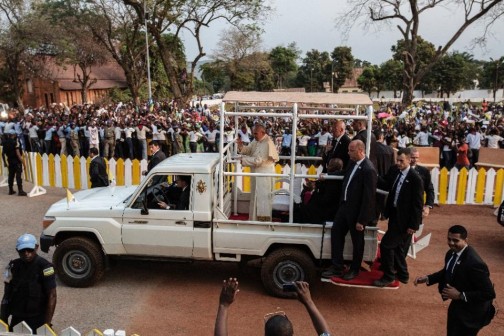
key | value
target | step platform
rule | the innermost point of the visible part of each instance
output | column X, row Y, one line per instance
column 364, row 279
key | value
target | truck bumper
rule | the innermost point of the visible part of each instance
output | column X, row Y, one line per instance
column 46, row 242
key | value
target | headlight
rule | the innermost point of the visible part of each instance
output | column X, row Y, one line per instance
column 48, row 220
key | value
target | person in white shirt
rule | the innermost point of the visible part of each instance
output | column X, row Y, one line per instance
column 211, row 138
column 118, row 131
column 94, row 136
column 303, row 143
column 34, row 139
column 493, row 139
column 141, row 132
column 473, row 139
column 244, row 134
column 422, row 138
column 194, row 137
column 403, row 140
column 128, row 132
column 324, row 137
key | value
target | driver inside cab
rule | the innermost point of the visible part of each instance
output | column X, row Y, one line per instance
column 182, row 203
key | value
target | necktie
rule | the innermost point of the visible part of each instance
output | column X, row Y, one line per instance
column 450, row 266
column 334, row 149
column 356, row 165
column 397, row 187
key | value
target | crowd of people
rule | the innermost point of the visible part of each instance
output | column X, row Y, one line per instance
column 123, row 130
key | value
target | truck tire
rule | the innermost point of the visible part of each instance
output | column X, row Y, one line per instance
column 79, row 262
column 286, row 265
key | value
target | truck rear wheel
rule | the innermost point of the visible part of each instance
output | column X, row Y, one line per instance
column 79, row 262
column 283, row 266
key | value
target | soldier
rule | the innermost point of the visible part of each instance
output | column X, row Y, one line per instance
column 14, row 161
column 109, row 148
column 74, row 140
column 30, row 287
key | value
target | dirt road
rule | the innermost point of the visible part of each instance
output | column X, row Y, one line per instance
column 151, row 298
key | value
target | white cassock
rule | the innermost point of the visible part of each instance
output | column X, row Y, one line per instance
column 260, row 156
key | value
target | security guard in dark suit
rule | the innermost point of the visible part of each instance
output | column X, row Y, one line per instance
column 30, row 287
column 13, row 159
column 465, row 280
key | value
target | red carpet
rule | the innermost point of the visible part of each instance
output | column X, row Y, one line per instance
column 364, row 279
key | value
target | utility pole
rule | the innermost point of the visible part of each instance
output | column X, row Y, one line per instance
column 147, row 53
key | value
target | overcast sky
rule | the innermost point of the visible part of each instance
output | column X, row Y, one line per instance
column 311, row 24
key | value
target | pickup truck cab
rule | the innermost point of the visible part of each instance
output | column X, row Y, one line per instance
column 127, row 221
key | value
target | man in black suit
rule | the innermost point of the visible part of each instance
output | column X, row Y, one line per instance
column 404, row 212
column 356, row 210
column 97, row 170
column 339, row 145
column 183, row 183
column 465, row 280
column 360, row 127
column 156, row 157
column 385, row 156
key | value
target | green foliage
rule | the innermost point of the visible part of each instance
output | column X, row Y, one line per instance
column 392, row 75
column 313, row 71
column 453, row 72
column 215, row 75
column 343, row 61
column 283, row 61
column 371, row 80
column 492, row 75
column 119, row 95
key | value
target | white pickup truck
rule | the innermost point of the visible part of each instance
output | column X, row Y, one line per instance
column 114, row 222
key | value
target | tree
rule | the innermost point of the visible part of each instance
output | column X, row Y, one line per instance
column 113, row 26
column 313, row 71
column 190, row 16
column 453, row 73
column 343, row 65
column 23, row 33
column 214, row 73
column 406, row 15
column 492, row 76
column 371, row 80
column 283, row 61
column 392, row 77
column 236, row 45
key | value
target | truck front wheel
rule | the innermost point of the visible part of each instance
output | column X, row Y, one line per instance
column 79, row 262
column 284, row 266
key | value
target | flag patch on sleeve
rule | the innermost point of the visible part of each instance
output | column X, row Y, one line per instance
column 48, row 271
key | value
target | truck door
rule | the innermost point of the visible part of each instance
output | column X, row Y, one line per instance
column 161, row 232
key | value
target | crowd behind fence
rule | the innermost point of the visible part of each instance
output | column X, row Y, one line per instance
column 483, row 186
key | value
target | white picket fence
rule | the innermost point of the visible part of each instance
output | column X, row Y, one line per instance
column 451, row 187
column 22, row 329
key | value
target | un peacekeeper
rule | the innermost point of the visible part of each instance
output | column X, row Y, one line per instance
column 14, row 161
column 30, row 287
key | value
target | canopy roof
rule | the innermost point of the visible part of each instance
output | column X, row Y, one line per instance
column 298, row 97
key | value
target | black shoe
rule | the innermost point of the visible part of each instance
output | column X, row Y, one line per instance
column 22, row 193
column 383, row 282
column 404, row 279
column 11, row 192
column 332, row 272
column 350, row 275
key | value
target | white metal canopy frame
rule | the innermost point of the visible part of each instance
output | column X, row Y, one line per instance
column 286, row 105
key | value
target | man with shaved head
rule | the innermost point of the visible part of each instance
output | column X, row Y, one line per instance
column 338, row 149
column 356, row 210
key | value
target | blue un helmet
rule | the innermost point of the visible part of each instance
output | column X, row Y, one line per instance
column 26, row 241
